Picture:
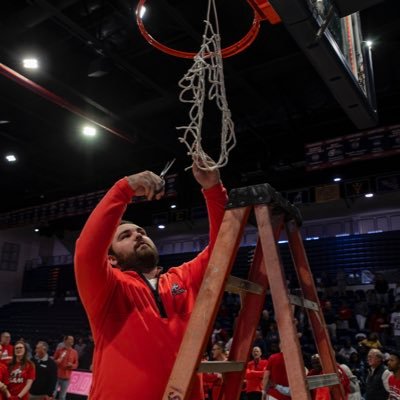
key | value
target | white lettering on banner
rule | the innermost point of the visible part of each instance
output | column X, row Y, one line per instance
column 80, row 383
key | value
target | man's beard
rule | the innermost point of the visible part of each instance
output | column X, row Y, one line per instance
column 143, row 260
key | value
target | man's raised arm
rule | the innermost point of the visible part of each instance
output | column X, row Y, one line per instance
column 93, row 273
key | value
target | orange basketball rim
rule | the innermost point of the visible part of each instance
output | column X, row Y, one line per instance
column 262, row 11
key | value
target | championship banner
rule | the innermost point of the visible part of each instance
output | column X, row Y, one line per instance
column 300, row 196
column 68, row 207
column 380, row 142
column 357, row 188
column 324, row 194
column 388, row 183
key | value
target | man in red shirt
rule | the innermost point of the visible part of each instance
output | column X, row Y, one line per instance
column 394, row 380
column 254, row 375
column 66, row 359
column 137, row 315
column 7, row 351
column 275, row 379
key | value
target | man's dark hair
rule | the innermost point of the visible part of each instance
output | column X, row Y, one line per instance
column 122, row 222
column 394, row 352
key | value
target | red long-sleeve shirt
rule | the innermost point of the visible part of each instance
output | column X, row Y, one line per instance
column 64, row 358
column 135, row 344
column 254, row 375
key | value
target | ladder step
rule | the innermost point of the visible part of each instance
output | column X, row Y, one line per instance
column 300, row 301
column 317, row 381
column 221, row 366
column 238, row 285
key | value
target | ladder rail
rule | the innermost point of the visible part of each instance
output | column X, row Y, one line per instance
column 316, row 317
column 290, row 344
column 247, row 322
column 207, row 303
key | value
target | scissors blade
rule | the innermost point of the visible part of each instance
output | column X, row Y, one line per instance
column 167, row 168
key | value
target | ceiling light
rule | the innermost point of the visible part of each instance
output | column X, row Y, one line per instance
column 172, row 206
column 36, row 229
column 369, row 195
column 369, row 43
column 337, row 179
column 142, row 11
column 30, row 63
column 161, row 226
column 89, row 131
column 11, row 158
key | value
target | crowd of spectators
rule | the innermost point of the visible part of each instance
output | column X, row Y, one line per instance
column 44, row 373
column 364, row 327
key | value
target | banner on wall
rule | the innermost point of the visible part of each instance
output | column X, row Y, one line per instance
column 357, row 188
column 387, row 183
column 324, row 194
column 71, row 206
column 380, row 142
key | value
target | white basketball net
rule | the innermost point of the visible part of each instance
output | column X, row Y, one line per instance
column 207, row 67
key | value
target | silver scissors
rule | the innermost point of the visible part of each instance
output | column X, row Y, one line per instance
column 168, row 165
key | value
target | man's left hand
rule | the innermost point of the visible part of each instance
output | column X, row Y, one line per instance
column 207, row 179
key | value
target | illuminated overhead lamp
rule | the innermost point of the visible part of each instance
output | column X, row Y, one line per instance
column 89, row 131
column 161, row 226
column 369, row 195
column 30, row 63
column 337, row 179
column 11, row 158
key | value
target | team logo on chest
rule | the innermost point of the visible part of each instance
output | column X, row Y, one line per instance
column 176, row 289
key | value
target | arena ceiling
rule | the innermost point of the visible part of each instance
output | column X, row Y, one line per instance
column 278, row 101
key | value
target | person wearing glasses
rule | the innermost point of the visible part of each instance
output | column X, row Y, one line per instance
column 22, row 373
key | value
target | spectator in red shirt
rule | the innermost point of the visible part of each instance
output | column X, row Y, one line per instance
column 275, row 379
column 6, row 353
column 22, row 373
column 254, row 375
column 394, row 380
column 214, row 380
column 66, row 359
column 4, row 380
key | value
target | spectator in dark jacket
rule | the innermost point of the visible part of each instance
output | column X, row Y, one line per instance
column 46, row 374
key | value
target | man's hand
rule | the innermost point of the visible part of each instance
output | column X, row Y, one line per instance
column 207, row 179
column 147, row 184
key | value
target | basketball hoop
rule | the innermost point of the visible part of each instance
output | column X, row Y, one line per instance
column 229, row 51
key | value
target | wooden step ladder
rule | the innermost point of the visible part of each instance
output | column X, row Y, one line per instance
column 273, row 214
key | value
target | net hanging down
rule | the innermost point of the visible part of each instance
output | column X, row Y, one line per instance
column 206, row 69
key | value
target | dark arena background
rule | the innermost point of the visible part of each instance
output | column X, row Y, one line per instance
column 86, row 100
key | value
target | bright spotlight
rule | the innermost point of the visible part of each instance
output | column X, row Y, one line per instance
column 369, row 195
column 11, row 158
column 30, row 63
column 161, row 226
column 89, row 131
